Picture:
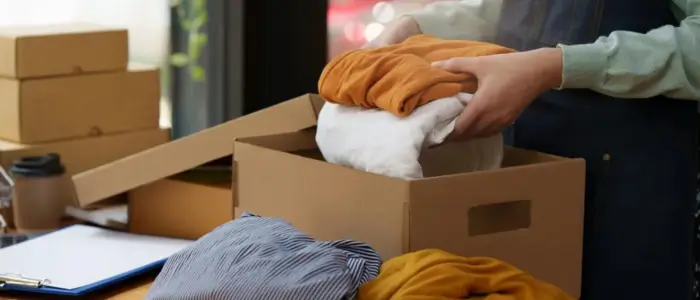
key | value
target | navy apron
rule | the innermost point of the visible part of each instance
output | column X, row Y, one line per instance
column 696, row 247
column 640, row 153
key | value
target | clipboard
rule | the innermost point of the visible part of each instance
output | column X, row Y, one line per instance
column 70, row 277
column 19, row 283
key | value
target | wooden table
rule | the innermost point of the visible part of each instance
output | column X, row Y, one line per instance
column 137, row 289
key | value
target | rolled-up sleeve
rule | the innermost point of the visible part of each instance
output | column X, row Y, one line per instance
column 460, row 20
column 664, row 61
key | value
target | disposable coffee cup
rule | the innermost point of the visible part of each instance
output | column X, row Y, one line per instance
column 38, row 195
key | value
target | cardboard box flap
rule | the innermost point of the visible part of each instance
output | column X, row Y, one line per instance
column 193, row 150
column 303, row 140
column 518, row 157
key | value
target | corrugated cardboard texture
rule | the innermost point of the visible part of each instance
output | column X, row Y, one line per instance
column 57, row 108
column 84, row 154
column 529, row 213
column 194, row 150
column 61, row 49
column 180, row 208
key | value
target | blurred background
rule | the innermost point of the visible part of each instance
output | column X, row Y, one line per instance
column 352, row 23
column 224, row 58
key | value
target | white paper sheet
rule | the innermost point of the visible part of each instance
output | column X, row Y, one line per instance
column 115, row 216
column 80, row 255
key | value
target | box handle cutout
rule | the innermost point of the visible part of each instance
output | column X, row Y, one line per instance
column 499, row 217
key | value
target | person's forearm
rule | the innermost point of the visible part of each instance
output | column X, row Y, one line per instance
column 460, row 20
column 664, row 61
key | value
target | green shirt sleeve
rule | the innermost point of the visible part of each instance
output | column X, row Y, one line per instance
column 664, row 61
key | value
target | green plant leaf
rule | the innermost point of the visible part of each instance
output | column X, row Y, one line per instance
column 197, row 73
column 199, row 20
column 194, row 46
column 192, row 16
column 202, row 39
column 205, row 17
column 198, row 5
column 179, row 59
column 182, row 19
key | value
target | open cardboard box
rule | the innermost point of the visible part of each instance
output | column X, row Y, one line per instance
column 529, row 213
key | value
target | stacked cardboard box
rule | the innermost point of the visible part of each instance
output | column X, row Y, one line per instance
column 69, row 89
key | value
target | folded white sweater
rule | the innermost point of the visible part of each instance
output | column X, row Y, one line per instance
column 376, row 141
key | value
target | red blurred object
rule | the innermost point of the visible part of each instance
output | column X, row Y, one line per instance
column 339, row 9
column 347, row 20
column 353, row 4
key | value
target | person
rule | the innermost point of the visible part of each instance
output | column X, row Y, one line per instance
column 606, row 80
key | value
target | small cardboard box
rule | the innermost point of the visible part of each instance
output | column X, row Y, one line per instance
column 528, row 213
column 57, row 108
column 83, row 154
column 192, row 151
column 61, row 49
column 188, row 205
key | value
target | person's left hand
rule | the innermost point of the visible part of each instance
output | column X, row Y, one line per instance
column 508, row 83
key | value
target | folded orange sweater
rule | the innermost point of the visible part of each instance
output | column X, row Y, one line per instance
column 438, row 275
column 399, row 78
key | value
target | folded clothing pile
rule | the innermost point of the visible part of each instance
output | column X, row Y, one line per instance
column 385, row 105
column 436, row 274
column 253, row 258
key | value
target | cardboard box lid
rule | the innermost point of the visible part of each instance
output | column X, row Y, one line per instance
column 193, row 150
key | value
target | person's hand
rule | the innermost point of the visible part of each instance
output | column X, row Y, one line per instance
column 508, row 83
column 395, row 33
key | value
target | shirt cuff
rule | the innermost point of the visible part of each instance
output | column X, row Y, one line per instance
column 584, row 66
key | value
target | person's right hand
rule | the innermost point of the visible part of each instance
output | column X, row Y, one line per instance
column 395, row 33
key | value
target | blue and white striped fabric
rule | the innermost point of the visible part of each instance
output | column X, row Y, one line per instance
column 255, row 258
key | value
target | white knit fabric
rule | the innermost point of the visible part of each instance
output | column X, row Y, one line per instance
column 376, row 141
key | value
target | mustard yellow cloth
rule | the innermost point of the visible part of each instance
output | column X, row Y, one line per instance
column 399, row 78
column 439, row 275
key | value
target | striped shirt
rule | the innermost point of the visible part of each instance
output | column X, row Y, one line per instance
column 255, row 258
